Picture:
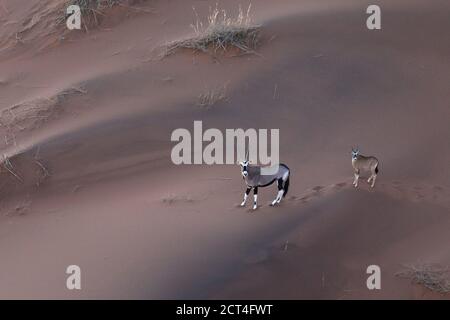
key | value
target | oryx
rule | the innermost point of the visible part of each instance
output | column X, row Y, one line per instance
column 256, row 176
column 360, row 162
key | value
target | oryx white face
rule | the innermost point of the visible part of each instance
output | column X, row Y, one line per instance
column 244, row 167
column 355, row 154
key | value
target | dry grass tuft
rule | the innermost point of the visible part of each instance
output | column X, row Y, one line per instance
column 10, row 168
column 173, row 198
column 43, row 172
column 33, row 114
column 21, row 171
column 212, row 97
column 433, row 277
column 45, row 21
column 220, row 33
column 90, row 10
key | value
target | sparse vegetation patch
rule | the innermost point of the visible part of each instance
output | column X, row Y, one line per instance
column 433, row 277
column 91, row 10
column 212, row 97
column 220, row 33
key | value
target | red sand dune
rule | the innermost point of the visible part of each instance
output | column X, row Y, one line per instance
column 87, row 117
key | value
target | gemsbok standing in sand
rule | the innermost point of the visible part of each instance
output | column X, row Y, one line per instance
column 254, row 179
column 362, row 163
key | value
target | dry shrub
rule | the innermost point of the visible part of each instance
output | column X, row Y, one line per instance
column 212, row 97
column 173, row 198
column 21, row 171
column 45, row 21
column 433, row 277
column 220, row 33
column 33, row 114
column 91, row 10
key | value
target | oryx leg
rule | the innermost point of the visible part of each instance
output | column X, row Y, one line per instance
column 247, row 191
column 255, row 198
column 373, row 177
column 280, row 192
column 355, row 182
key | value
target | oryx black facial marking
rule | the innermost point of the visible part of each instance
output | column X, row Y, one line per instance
column 244, row 166
column 355, row 154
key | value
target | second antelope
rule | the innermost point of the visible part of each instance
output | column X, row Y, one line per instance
column 360, row 162
column 254, row 179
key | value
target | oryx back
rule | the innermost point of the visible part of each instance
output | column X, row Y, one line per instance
column 362, row 163
column 256, row 179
